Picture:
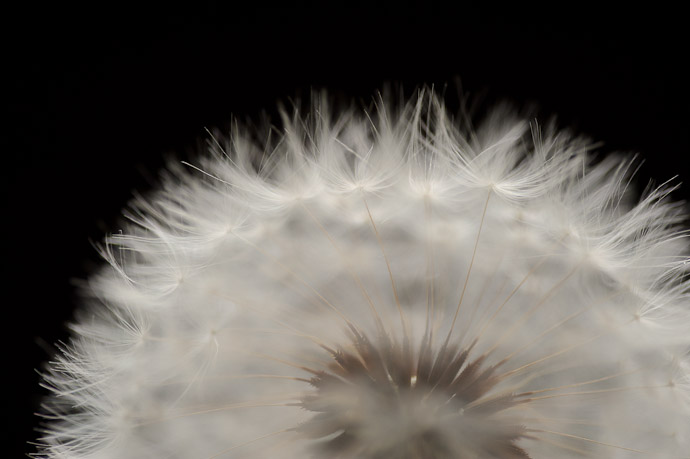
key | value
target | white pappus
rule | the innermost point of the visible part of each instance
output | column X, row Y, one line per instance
column 385, row 284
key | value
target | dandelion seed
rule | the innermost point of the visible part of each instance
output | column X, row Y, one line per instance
column 385, row 284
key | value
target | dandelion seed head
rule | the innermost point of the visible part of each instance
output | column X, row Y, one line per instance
column 384, row 283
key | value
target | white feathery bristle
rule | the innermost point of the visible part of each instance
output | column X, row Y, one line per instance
column 385, row 284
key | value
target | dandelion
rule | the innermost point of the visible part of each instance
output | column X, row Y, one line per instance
column 385, row 284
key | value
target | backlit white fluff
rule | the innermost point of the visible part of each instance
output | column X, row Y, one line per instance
column 307, row 297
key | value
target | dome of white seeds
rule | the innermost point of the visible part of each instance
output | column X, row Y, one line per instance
column 384, row 284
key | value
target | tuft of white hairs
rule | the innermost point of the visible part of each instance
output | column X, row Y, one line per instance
column 385, row 283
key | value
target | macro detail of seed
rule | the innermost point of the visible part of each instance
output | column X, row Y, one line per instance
column 391, row 282
column 417, row 396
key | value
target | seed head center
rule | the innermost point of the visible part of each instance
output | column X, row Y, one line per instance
column 383, row 399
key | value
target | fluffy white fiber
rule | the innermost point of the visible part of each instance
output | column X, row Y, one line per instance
column 385, row 284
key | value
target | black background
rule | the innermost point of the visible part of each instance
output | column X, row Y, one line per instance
column 99, row 95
